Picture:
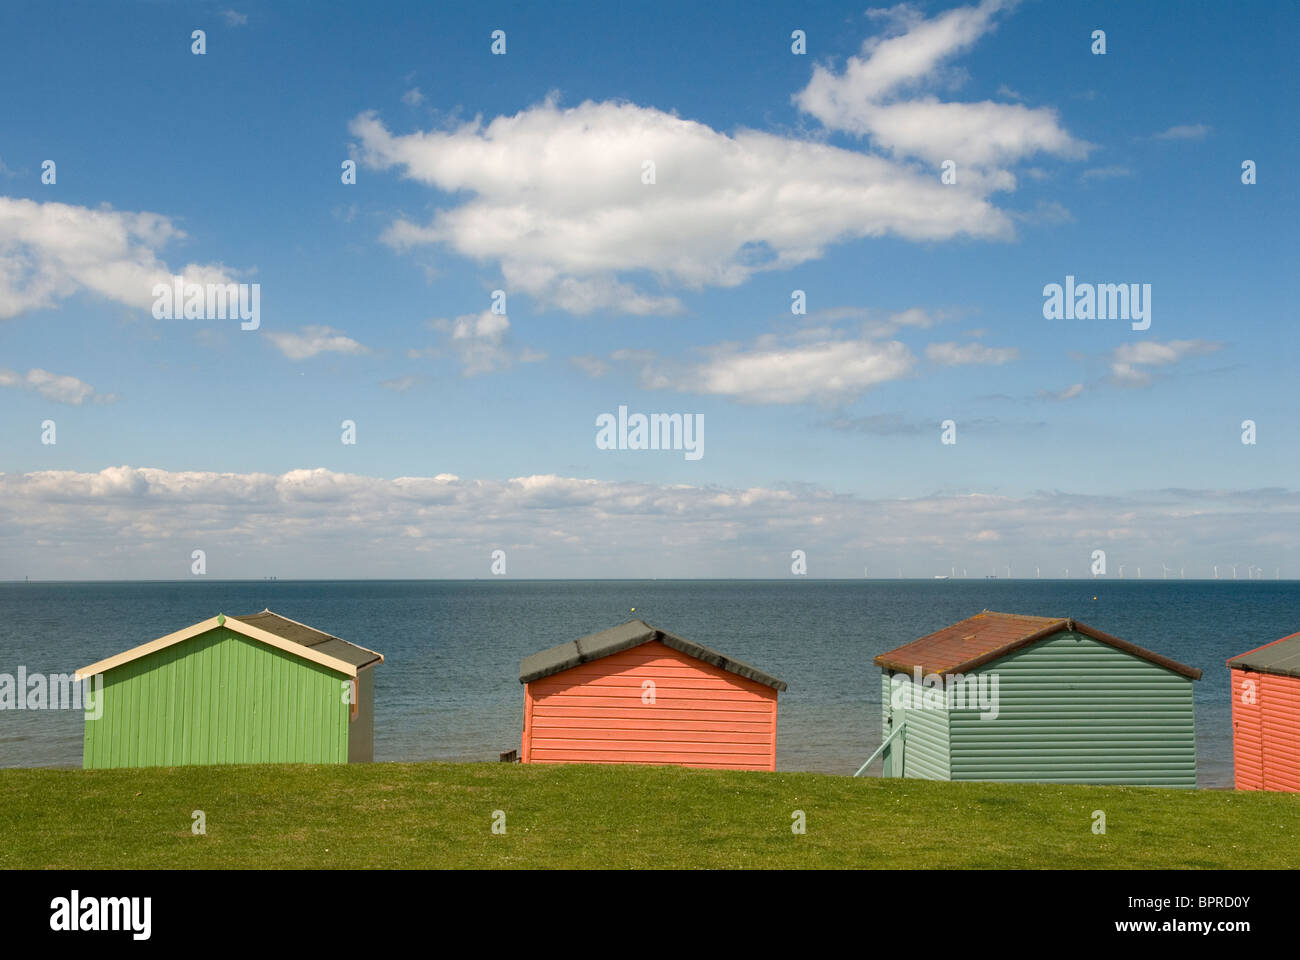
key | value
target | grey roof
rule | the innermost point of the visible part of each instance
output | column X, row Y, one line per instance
column 1280, row 656
column 624, row 637
column 307, row 636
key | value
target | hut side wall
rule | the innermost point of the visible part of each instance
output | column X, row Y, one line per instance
column 924, row 750
column 1075, row 710
column 361, row 731
column 702, row 716
column 218, row 698
column 1247, row 737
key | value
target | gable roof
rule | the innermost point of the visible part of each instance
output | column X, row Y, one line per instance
column 298, row 639
column 1280, row 656
column 990, row 636
column 624, row 637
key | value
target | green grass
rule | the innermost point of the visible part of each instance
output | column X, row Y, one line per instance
column 440, row 815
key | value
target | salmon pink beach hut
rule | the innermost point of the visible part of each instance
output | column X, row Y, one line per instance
column 638, row 694
column 1266, row 716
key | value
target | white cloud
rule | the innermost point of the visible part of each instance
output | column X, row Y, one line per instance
column 1068, row 393
column 481, row 342
column 821, row 371
column 1129, row 362
column 954, row 354
column 555, row 197
column 313, row 340
column 413, row 97
column 1188, row 131
column 143, row 522
column 52, row 251
column 52, row 386
column 234, row 18
column 868, row 98
column 794, row 369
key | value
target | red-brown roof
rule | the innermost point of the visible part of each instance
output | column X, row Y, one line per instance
column 990, row 636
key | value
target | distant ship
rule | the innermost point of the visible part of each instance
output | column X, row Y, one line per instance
column 941, row 576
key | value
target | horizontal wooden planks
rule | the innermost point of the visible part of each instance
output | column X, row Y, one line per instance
column 654, row 705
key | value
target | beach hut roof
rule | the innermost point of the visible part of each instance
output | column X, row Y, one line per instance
column 988, row 636
column 266, row 627
column 1280, row 656
column 624, row 637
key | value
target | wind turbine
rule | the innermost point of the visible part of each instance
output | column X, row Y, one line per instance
column 1164, row 571
column 1139, row 573
column 1121, row 571
column 1216, row 571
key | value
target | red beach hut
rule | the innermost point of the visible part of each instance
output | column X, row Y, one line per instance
column 1266, row 716
column 638, row 694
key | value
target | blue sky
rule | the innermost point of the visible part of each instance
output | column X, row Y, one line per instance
column 774, row 172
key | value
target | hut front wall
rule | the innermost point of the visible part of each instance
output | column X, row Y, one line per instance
column 218, row 698
column 1265, row 731
column 694, row 714
column 921, row 751
column 1074, row 710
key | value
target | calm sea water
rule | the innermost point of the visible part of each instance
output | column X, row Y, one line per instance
column 449, row 689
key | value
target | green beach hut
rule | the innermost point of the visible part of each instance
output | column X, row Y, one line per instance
column 254, row 689
column 1006, row 697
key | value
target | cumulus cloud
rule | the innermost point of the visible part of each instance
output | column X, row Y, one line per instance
column 826, row 371
column 313, row 340
column 555, row 197
column 52, row 386
column 234, row 18
column 482, row 342
column 1130, row 363
column 52, row 251
column 413, row 97
column 879, row 94
column 317, row 523
column 819, row 365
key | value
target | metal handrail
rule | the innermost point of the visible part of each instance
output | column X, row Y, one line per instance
column 884, row 743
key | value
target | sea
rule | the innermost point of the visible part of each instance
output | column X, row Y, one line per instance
column 449, row 685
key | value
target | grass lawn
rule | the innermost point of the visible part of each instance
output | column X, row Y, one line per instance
column 441, row 815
